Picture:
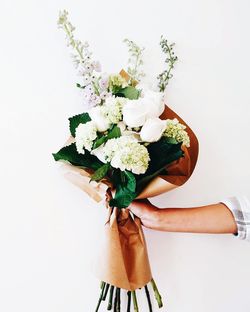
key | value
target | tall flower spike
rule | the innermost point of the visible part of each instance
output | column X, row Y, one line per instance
column 170, row 60
column 135, row 61
column 81, row 54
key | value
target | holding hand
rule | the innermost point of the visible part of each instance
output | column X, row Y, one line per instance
column 216, row 218
column 148, row 213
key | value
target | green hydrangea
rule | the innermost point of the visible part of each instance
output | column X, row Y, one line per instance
column 113, row 109
column 116, row 82
column 126, row 153
column 176, row 130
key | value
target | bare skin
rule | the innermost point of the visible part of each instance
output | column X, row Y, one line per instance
column 213, row 219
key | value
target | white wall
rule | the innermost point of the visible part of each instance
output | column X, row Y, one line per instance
column 48, row 228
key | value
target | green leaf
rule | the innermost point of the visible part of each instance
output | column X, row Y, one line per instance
column 114, row 132
column 161, row 153
column 100, row 173
column 143, row 180
column 99, row 142
column 171, row 140
column 70, row 154
column 125, row 191
column 131, row 181
column 129, row 92
column 79, row 86
column 76, row 120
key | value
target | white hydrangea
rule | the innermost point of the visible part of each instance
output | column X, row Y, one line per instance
column 113, row 109
column 176, row 130
column 126, row 153
column 85, row 135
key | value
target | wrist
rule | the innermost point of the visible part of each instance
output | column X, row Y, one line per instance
column 156, row 218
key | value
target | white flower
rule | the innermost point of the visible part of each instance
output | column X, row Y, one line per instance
column 126, row 153
column 85, row 135
column 113, row 109
column 122, row 126
column 152, row 130
column 86, row 80
column 136, row 112
column 96, row 66
column 99, row 117
column 176, row 130
column 157, row 105
column 99, row 153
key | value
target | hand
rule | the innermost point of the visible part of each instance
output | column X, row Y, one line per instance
column 147, row 212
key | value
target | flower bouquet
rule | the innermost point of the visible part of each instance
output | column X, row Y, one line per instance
column 129, row 141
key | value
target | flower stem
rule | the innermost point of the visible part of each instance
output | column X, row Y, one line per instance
column 118, row 300
column 115, row 301
column 100, row 298
column 105, row 292
column 157, row 294
column 136, row 309
column 148, row 298
column 129, row 301
column 111, row 293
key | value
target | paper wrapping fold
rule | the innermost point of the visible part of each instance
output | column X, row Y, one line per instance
column 124, row 259
column 81, row 178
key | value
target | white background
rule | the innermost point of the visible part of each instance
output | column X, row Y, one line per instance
column 48, row 227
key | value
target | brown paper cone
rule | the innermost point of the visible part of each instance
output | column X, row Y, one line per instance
column 124, row 259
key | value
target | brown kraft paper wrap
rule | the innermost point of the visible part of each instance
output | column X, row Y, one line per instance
column 124, row 259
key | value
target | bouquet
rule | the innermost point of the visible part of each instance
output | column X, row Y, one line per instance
column 127, row 140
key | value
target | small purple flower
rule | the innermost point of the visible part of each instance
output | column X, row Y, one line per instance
column 104, row 95
column 96, row 66
column 86, row 80
column 88, row 67
column 89, row 89
column 103, row 83
column 95, row 99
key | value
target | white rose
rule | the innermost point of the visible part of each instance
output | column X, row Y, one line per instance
column 136, row 112
column 156, row 103
column 152, row 130
column 99, row 117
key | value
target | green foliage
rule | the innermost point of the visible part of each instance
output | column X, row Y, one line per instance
column 170, row 60
column 70, row 154
column 76, row 120
column 129, row 92
column 80, row 86
column 128, row 185
column 114, row 132
column 100, row 173
column 162, row 153
column 171, row 140
column 125, row 190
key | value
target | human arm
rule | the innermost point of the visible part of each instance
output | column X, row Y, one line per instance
column 215, row 218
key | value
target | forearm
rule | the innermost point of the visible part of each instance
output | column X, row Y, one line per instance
column 215, row 218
